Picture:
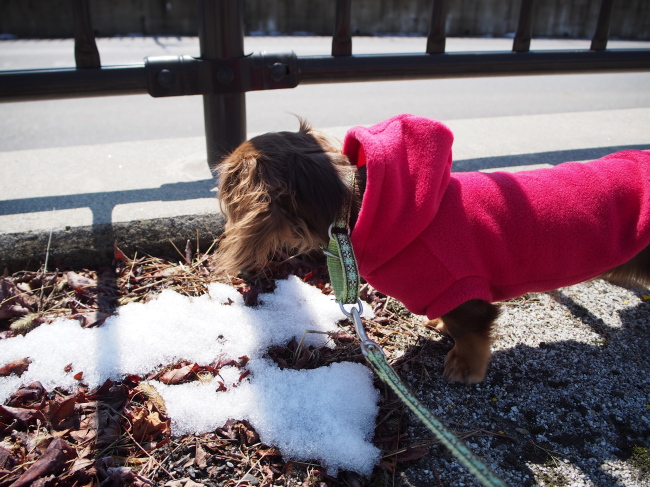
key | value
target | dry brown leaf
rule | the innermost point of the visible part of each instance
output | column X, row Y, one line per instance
column 153, row 396
column 178, row 376
column 81, row 464
column 83, row 435
column 27, row 396
column 50, row 462
column 17, row 367
column 239, row 430
column 147, row 424
column 200, row 456
column 118, row 254
column 79, row 282
column 61, row 409
column 90, row 318
column 12, row 311
column 7, row 459
column 21, row 416
column 191, row 483
column 222, row 360
column 109, row 427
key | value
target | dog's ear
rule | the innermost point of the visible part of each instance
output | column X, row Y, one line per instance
column 261, row 210
column 251, row 241
column 279, row 191
column 243, row 200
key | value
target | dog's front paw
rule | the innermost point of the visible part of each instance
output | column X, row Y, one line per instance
column 463, row 369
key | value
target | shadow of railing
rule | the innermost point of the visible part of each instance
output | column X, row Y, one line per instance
column 553, row 158
column 102, row 204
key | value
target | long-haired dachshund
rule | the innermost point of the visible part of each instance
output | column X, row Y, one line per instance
column 446, row 245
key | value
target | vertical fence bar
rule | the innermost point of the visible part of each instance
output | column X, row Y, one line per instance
column 524, row 27
column 437, row 30
column 601, row 36
column 221, row 36
column 86, row 54
column 342, row 38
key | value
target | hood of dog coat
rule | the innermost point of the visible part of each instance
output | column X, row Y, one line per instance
column 399, row 148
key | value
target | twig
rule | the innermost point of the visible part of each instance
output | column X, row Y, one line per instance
column 47, row 257
column 250, row 469
column 160, row 464
column 388, row 298
column 174, row 245
column 144, row 479
column 302, row 340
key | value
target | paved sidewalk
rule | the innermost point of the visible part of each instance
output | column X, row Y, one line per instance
column 150, row 192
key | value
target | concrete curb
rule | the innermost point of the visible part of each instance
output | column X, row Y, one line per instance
column 93, row 245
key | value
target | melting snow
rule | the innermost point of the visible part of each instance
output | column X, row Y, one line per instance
column 326, row 414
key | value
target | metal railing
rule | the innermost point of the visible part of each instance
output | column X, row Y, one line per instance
column 224, row 73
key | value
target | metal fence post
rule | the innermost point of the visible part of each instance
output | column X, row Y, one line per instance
column 86, row 54
column 437, row 27
column 221, row 36
column 523, row 35
column 342, row 38
column 599, row 41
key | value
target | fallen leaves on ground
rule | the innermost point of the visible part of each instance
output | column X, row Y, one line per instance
column 119, row 434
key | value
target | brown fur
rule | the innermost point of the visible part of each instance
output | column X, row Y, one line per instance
column 281, row 191
column 470, row 325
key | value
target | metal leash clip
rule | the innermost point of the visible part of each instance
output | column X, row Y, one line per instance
column 329, row 254
column 367, row 345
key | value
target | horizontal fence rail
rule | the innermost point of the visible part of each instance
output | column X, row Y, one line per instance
column 457, row 65
column 224, row 73
column 185, row 75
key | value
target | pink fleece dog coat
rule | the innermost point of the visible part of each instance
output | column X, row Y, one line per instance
column 433, row 239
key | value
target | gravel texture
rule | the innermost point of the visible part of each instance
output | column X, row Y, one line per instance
column 566, row 401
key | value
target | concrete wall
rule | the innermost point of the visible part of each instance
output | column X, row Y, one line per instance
column 553, row 18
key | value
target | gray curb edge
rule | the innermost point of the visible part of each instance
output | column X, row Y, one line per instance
column 90, row 246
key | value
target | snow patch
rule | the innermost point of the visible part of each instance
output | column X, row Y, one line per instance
column 325, row 414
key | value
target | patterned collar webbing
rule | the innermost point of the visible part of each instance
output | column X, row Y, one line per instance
column 342, row 265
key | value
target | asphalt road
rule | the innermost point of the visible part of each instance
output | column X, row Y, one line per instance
column 87, row 121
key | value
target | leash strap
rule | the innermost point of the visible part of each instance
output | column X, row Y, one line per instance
column 341, row 263
column 342, row 267
column 344, row 277
column 375, row 355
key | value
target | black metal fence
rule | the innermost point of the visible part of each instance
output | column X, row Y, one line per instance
column 224, row 73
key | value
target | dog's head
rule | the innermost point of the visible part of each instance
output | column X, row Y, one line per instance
column 279, row 191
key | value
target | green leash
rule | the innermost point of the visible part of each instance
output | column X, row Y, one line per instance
column 377, row 359
column 344, row 275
